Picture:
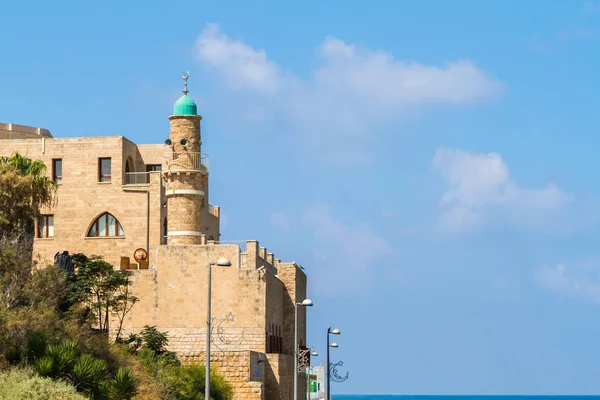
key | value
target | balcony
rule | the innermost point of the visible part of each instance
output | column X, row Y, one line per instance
column 137, row 178
column 187, row 161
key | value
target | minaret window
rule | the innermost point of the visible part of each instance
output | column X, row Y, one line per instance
column 106, row 225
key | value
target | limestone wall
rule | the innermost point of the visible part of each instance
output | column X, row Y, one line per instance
column 294, row 281
column 15, row 131
column 81, row 198
column 279, row 378
column 241, row 369
column 177, row 288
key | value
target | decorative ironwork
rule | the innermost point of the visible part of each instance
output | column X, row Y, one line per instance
column 333, row 372
column 304, row 358
column 218, row 332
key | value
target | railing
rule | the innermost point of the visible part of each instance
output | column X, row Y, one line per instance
column 137, row 178
column 187, row 161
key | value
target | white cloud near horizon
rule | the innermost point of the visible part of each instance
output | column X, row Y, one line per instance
column 344, row 255
column 577, row 283
column 351, row 91
column 481, row 185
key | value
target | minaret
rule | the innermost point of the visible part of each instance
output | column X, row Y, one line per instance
column 185, row 173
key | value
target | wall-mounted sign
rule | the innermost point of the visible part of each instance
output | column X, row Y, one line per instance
column 140, row 255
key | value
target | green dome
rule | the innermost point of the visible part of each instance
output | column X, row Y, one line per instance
column 185, row 106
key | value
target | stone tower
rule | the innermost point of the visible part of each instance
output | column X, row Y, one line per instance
column 186, row 173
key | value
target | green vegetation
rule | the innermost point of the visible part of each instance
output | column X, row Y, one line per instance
column 24, row 188
column 54, row 321
column 26, row 384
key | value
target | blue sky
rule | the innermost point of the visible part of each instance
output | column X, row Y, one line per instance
column 430, row 163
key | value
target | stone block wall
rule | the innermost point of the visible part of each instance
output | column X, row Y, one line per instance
column 279, row 378
column 294, row 281
column 174, row 297
column 81, row 198
column 240, row 369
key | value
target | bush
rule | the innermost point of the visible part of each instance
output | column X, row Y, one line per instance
column 153, row 339
column 183, row 382
column 18, row 384
column 124, row 385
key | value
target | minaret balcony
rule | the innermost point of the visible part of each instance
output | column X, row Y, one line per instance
column 187, row 162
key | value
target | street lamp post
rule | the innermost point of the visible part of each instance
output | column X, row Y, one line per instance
column 330, row 331
column 221, row 262
column 305, row 303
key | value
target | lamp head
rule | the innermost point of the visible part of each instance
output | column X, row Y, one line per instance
column 223, row 262
column 335, row 331
column 314, row 354
column 307, row 303
column 334, row 345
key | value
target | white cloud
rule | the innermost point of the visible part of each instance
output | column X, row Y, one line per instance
column 579, row 283
column 350, row 92
column 348, row 255
column 242, row 66
column 480, row 184
column 344, row 256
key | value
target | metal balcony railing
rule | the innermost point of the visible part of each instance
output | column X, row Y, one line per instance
column 137, row 178
column 187, row 161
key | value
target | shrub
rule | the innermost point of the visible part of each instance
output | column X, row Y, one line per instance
column 154, row 340
column 90, row 376
column 25, row 384
column 36, row 346
column 123, row 387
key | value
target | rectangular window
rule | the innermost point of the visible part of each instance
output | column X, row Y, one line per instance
column 57, row 170
column 46, row 226
column 104, row 165
column 153, row 168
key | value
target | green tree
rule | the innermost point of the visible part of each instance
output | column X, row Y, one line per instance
column 122, row 303
column 104, row 290
column 24, row 188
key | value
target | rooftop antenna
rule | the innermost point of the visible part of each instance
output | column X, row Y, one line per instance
column 185, row 77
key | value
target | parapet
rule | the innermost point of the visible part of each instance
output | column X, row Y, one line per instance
column 14, row 131
column 252, row 256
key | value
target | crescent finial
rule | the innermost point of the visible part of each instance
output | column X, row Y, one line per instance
column 185, row 77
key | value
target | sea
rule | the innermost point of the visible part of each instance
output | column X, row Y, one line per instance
column 459, row 397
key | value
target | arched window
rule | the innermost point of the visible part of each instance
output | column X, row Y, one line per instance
column 106, row 225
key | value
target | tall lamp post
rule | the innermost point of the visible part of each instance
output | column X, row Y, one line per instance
column 330, row 331
column 221, row 262
column 305, row 303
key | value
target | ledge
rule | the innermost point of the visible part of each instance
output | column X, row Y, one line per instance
column 104, row 237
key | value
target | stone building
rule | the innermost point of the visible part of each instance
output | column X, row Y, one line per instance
column 116, row 197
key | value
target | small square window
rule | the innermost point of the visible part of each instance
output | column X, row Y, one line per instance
column 46, row 226
column 104, row 166
column 57, row 170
